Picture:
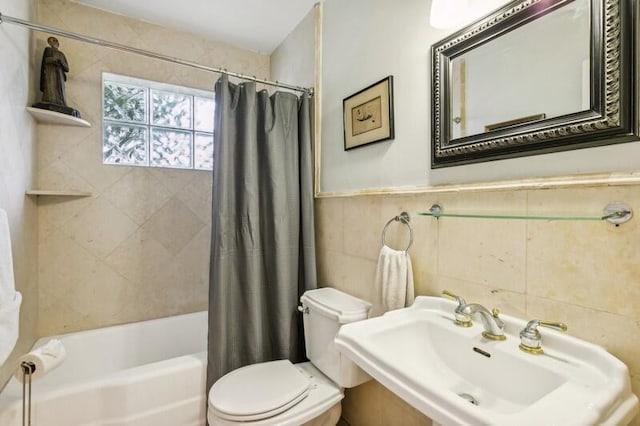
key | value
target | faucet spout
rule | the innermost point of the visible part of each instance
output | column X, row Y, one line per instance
column 493, row 326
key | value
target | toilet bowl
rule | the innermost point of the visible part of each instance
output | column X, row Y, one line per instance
column 286, row 394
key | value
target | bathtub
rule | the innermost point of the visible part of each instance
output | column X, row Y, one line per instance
column 145, row 373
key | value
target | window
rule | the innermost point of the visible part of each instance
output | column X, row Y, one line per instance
column 152, row 124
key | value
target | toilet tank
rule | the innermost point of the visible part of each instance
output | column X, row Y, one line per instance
column 324, row 312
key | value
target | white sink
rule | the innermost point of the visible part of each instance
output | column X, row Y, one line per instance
column 457, row 377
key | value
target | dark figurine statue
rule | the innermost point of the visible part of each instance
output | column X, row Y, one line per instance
column 53, row 74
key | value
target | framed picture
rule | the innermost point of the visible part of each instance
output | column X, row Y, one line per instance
column 368, row 115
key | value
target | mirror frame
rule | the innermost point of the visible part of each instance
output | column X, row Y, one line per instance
column 612, row 117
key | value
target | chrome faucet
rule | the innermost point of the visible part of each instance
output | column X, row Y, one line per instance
column 462, row 320
column 493, row 325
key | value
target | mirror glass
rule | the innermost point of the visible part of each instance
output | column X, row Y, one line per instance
column 545, row 63
column 535, row 76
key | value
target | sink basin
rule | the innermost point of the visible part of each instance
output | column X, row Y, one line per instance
column 455, row 376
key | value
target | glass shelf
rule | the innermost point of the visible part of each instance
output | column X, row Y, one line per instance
column 616, row 213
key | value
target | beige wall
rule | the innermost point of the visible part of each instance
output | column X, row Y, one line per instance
column 586, row 274
column 17, row 170
column 138, row 248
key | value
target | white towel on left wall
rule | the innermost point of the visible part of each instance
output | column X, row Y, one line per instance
column 394, row 281
column 10, row 299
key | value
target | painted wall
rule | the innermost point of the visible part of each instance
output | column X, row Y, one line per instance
column 138, row 248
column 366, row 40
column 18, row 171
column 293, row 61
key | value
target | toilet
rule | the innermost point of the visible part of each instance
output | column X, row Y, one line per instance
column 286, row 394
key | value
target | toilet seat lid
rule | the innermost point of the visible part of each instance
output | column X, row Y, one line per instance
column 259, row 391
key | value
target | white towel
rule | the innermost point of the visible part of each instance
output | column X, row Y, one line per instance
column 45, row 358
column 394, row 281
column 10, row 299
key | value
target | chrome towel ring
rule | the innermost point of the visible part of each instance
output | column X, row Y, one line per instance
column 404, row 218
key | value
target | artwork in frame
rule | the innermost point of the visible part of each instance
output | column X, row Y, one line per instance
column 368, row 115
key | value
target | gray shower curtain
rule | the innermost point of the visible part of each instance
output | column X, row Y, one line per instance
column 263, row 244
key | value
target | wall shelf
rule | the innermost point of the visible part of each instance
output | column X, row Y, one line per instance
column 616, row 213
column 58, row 193
column 52, row 117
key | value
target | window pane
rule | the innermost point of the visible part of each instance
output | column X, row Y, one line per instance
column 125, row 145
column 203, row 151
column 204, row 114
column 124, row 102
column 170, row 148
column 171, row 109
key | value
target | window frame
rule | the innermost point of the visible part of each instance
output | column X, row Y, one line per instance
column 149, row 87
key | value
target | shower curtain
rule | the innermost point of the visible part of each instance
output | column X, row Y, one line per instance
column 263, row 244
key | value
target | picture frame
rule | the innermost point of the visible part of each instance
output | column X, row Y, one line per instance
column 368, row 115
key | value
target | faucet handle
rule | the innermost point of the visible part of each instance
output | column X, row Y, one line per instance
column 455, row 297
column 531, row 339
column 556, row 325
column 462, row 320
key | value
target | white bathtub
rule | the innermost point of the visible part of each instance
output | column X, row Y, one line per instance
column 145, row 373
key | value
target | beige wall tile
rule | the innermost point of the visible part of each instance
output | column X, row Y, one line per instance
column 362, row 215
column 138, row 257
column 103, row 284
column 329, row 218
column 397, row 412
column 362, row 405
column 353, row 275
column 176, row 181
column 485, row 251
column 53, row 141
column 371, row 404
column 147, row 229
column 97, row 23
column 60, row 176
column 635, row 384
column 492, row 254
column 138, row 194
column 85, row 159
column 173, row 226
column 63, row 262
column 592, row 264
column 57, row 211
column 197, row 195
column 100, row 227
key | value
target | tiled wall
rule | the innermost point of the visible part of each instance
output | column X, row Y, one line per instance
column 586, row 274
column 138, row 248
column 17, row 170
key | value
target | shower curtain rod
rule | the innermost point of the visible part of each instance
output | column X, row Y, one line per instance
column 117, row 46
